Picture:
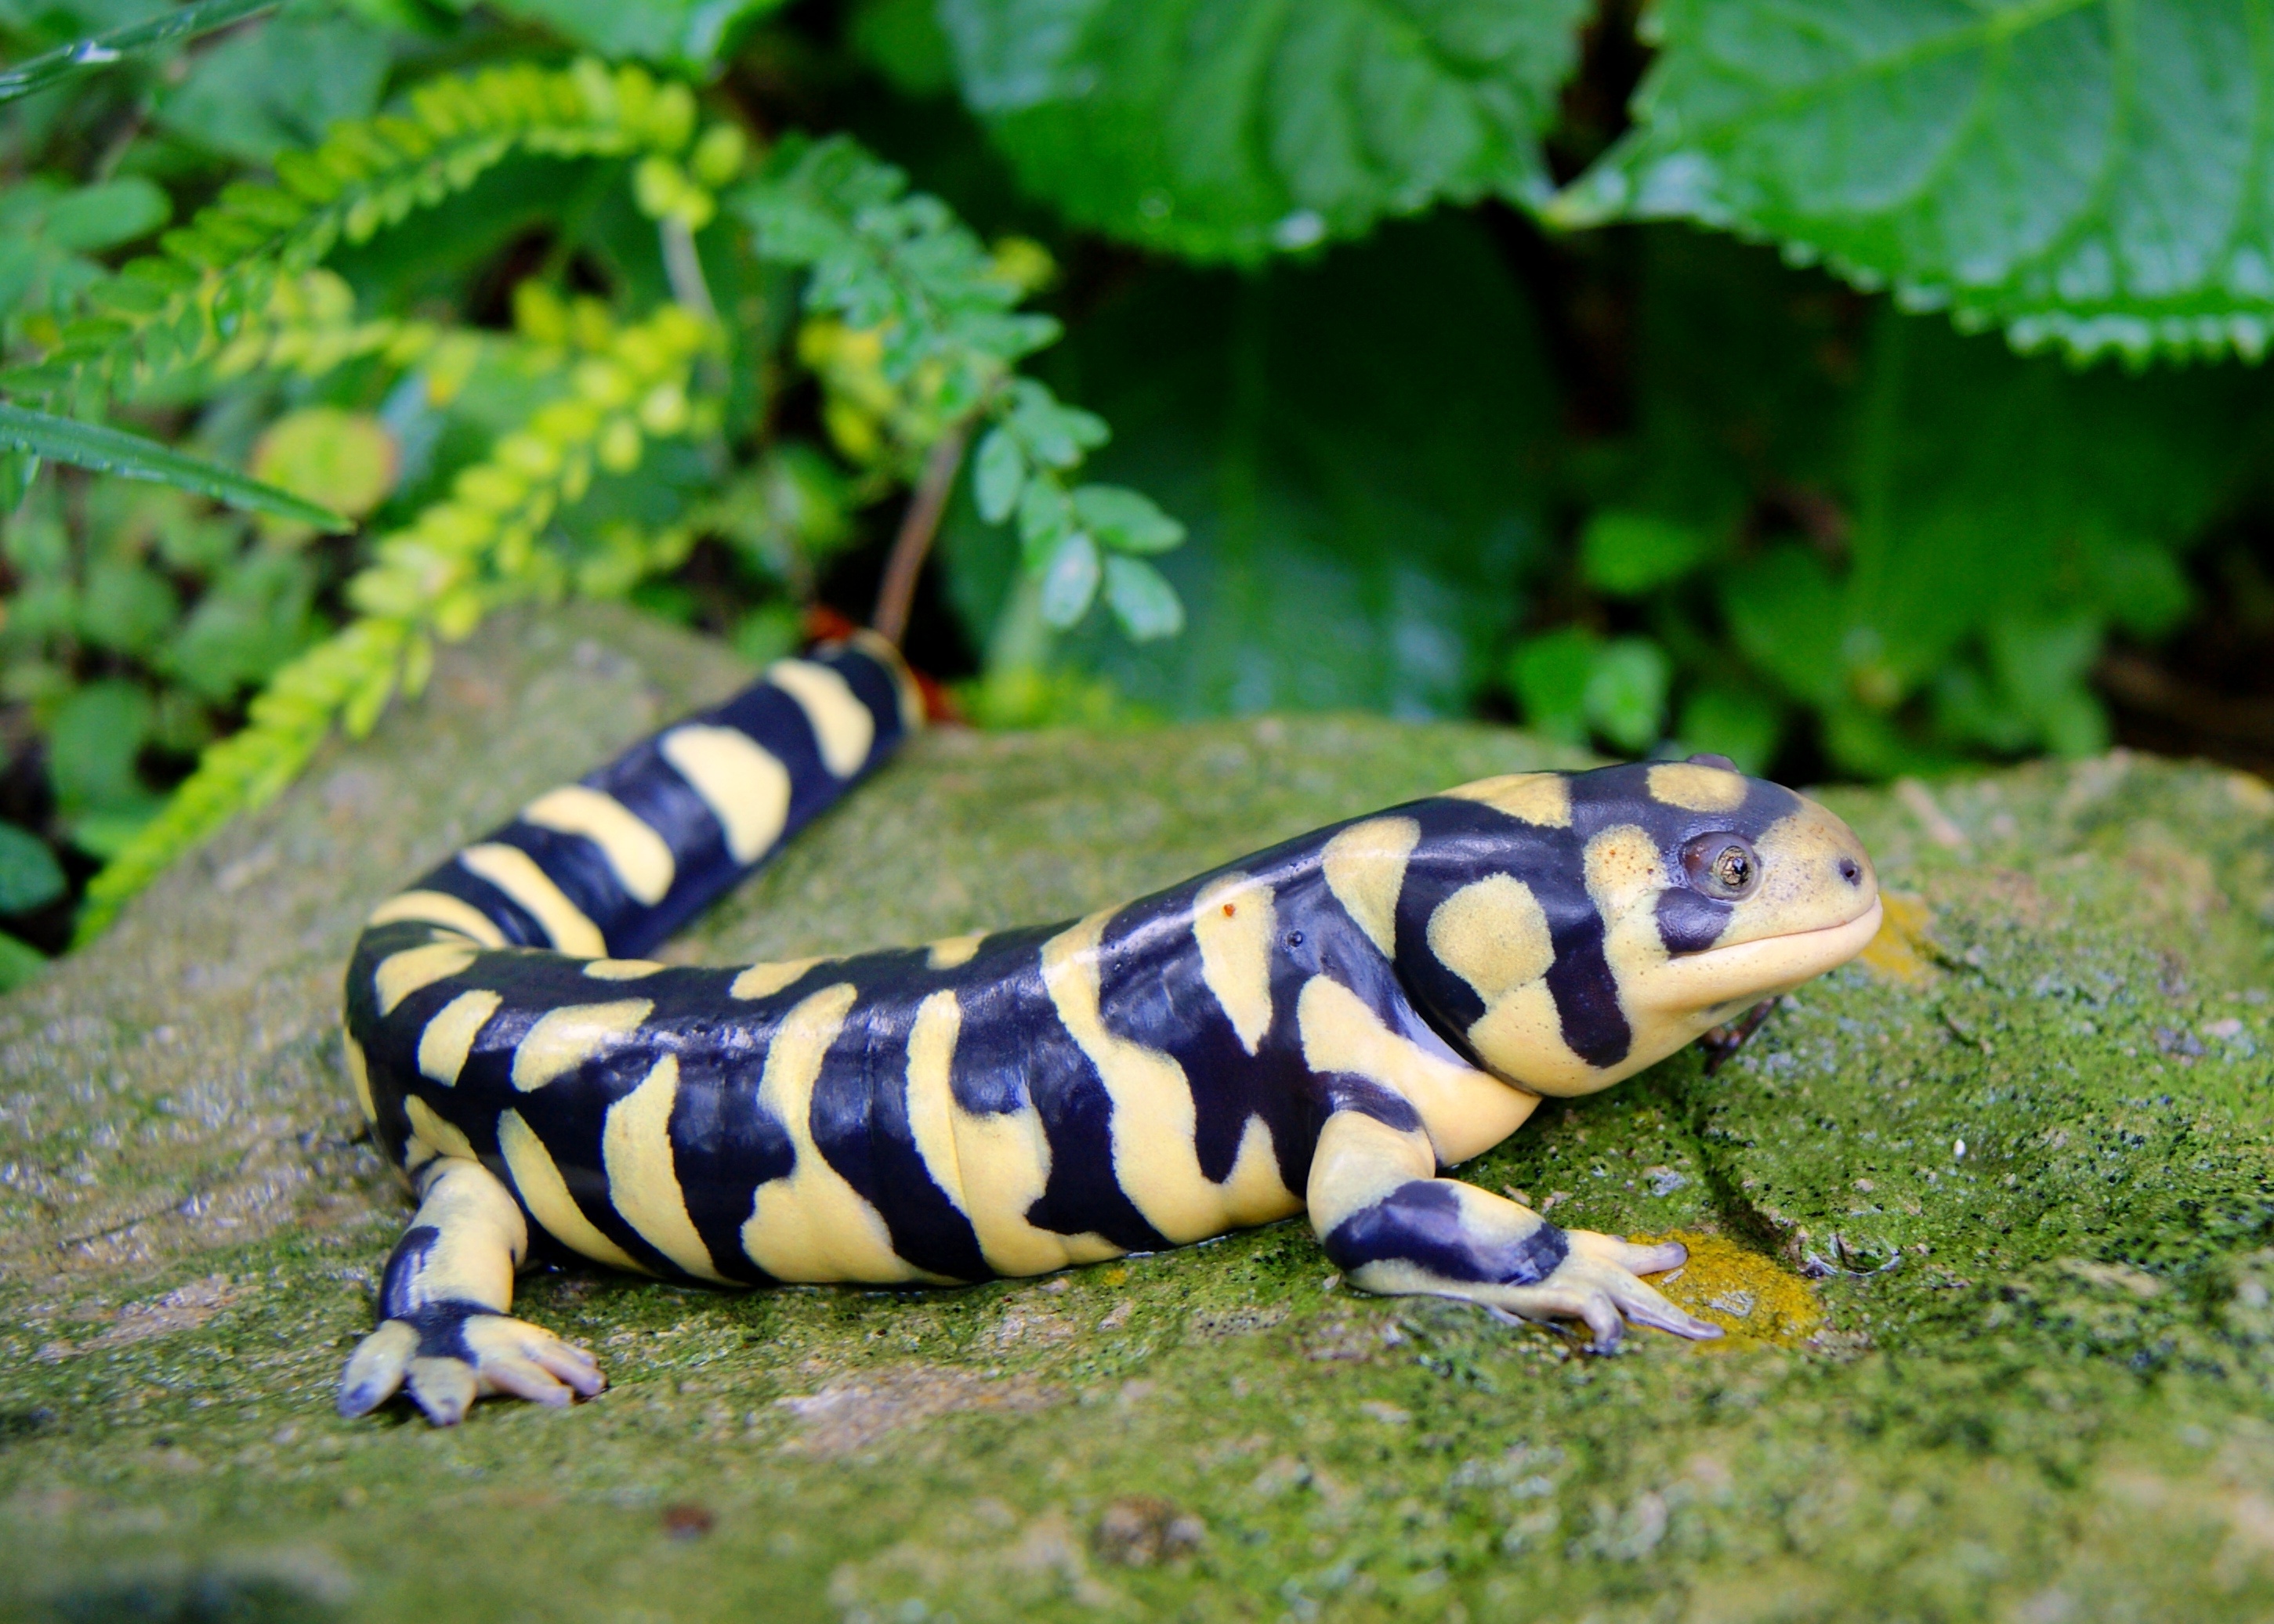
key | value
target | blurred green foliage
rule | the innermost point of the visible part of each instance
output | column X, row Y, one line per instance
column 1397, row 371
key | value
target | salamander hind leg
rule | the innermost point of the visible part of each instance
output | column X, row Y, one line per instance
column 444, row 1332
column 1393, row 1228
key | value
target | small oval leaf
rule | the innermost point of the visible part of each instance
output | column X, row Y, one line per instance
column 1070, row 581
column 1142, row 599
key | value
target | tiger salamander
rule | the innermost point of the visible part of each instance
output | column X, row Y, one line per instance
column 1327, row 1025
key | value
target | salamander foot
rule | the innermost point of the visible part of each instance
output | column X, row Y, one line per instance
column 1597, row 1282
column 450, row 1354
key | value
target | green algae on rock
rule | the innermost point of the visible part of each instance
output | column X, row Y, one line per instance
column 2018, row 1163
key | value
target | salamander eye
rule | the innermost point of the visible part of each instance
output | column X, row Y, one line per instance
column 1722, row 866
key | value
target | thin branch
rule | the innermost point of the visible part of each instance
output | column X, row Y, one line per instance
column 918, row 526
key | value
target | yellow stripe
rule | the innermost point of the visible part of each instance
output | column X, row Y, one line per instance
column 763, row 980
column 515, row 872
column 1463, row 1110
column 566, row 1038
column 953, row 952
column 622, row 969
column 639, row 856
column 841, row 724
column 450, row 1036
column 1235, row 922
column 429, row 1128
column 746, row 787
column 1154, row 1158
column 643, row 1180
column 434, row 907
column 1697, row 788
column 1493, row 933
column 1540, row 798
column 911, row 697
column 813, row 1225
column 931, row 1098
column 359, row 1074
column 545, row 1194
column 400, row 975
column 1365, row 866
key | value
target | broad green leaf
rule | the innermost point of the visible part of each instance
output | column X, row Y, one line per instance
column 1549, row 674
column 30, row 877
column 19, row 962
column 97, row 217
column 1233, row 129
column 1359, row 509
column 279, row 85
column 98, row 52
column 1125, row 520
column 92, row 743
column 1732, row 722
column 1627, row 684
column 1887, row 494
column 347, row 456
column 1626, row 554
column 106, row 833
column 249, row 622
column 768, row 632
column 1786, row 614
column 111, row 451
column 126, row 606
column 1144, row 603
column 2085, row 173
column 691, row 32
column 901, row 39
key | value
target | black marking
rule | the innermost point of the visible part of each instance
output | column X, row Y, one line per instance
column 860, row 1124
column 724, row 1145
column 1687, row 923
column 404, row 1265
column 1152, row 990
column 1421, row 1223
column 1586, row 994
column 580, row 869
column 1461, row 841
column 516, row 924
column 1338, row 1091
column 1014, row 1051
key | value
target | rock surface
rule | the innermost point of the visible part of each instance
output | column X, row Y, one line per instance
column 1989, row 1216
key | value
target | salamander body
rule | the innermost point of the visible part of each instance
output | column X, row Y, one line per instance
column 1326, row 1024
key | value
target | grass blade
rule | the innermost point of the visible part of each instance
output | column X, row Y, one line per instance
column 99, row 51
column 109, row 451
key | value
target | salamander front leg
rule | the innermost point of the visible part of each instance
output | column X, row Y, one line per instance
column 1391, row 1226
column 443, row 1328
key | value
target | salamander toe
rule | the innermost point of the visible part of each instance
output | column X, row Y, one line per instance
column 450, row 1354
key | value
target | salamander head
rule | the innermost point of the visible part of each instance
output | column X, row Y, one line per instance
column 1574, row 928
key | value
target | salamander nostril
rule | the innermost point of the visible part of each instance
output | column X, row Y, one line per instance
column 1851, row 871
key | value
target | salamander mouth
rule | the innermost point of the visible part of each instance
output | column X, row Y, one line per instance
column 1764, row 966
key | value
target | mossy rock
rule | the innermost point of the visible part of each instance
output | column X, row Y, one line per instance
column 1988, row 1215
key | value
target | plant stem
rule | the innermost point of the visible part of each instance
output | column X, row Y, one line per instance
column 897, row 592
column 683, row 267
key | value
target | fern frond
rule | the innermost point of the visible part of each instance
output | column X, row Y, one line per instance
column 913, row 329
column 462, row 557
column 896, row 264
column 216, row 282
column 309, row 327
